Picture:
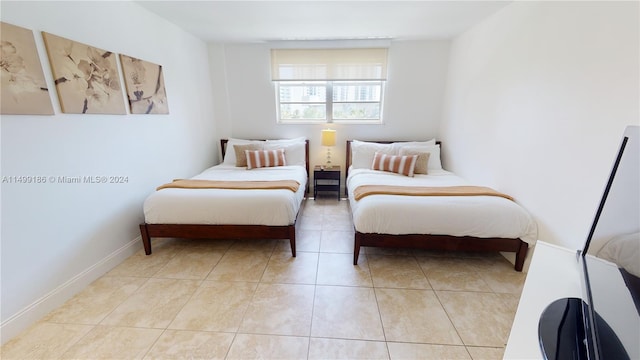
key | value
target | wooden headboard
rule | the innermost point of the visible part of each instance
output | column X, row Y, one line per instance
column 348, row 155
column 223, row 148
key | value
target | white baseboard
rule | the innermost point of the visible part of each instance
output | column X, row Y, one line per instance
column 58, row 296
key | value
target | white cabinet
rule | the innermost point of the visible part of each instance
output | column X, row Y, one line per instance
column 554, row 274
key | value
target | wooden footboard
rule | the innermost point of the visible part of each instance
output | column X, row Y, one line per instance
column 441, row 242
column 187, row 231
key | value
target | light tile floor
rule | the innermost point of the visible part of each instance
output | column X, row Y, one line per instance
column 251, row 299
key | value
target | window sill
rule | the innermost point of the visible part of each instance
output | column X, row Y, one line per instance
column 346, row 122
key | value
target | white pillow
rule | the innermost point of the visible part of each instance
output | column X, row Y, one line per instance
column 294, row 153
column 230, row 154
column 362, row 153
column 434, row 159
column 400, row 144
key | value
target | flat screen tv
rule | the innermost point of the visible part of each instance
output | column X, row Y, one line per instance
column 605, row 322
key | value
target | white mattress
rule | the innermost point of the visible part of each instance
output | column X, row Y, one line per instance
column 226, row 206
column 478, row 216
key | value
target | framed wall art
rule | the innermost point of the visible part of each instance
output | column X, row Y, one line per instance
column 24, row 89
column 145, row 86
column 86, row 78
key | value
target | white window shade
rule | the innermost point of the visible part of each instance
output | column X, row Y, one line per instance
column 329, row 64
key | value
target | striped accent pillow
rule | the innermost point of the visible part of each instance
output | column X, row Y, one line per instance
column 404, row 165
column 265, row 158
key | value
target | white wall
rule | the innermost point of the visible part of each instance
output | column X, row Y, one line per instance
column 537, row 101
column 57, row 238
column 412, row 109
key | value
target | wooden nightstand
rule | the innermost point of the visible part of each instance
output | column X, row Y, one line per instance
column 327, row 179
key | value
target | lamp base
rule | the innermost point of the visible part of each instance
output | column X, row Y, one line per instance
column 328, row 164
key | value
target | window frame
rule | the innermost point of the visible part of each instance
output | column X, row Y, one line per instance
column 329, row 102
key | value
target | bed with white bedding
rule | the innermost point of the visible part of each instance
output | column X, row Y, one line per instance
column 232, row 213
column 474, row 222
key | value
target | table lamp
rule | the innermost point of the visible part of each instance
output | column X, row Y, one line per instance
column 328, row 140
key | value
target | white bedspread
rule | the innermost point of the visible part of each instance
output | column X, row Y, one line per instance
column 228, row 206
column 478, row 216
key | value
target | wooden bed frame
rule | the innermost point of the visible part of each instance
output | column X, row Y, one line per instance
column 199, row 231
column 434, row 242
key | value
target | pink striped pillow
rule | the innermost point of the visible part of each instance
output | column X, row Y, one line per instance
column 404, row 165
column 265, row 158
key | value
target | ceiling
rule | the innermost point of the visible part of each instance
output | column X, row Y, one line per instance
column 258, row 21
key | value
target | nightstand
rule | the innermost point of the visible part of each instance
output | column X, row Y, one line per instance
column 326, row 179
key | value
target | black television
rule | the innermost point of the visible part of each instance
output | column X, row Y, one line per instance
column 605, row 322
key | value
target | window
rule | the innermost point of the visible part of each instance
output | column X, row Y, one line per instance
column 329, row 85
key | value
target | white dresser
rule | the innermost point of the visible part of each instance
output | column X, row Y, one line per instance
column 554, row 273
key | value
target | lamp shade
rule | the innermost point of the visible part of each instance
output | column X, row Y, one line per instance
column 328, row 137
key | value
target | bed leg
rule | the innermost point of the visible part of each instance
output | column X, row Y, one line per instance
column 292, row 239
column 521, row 255
column 146, row 241
column 356, row 248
